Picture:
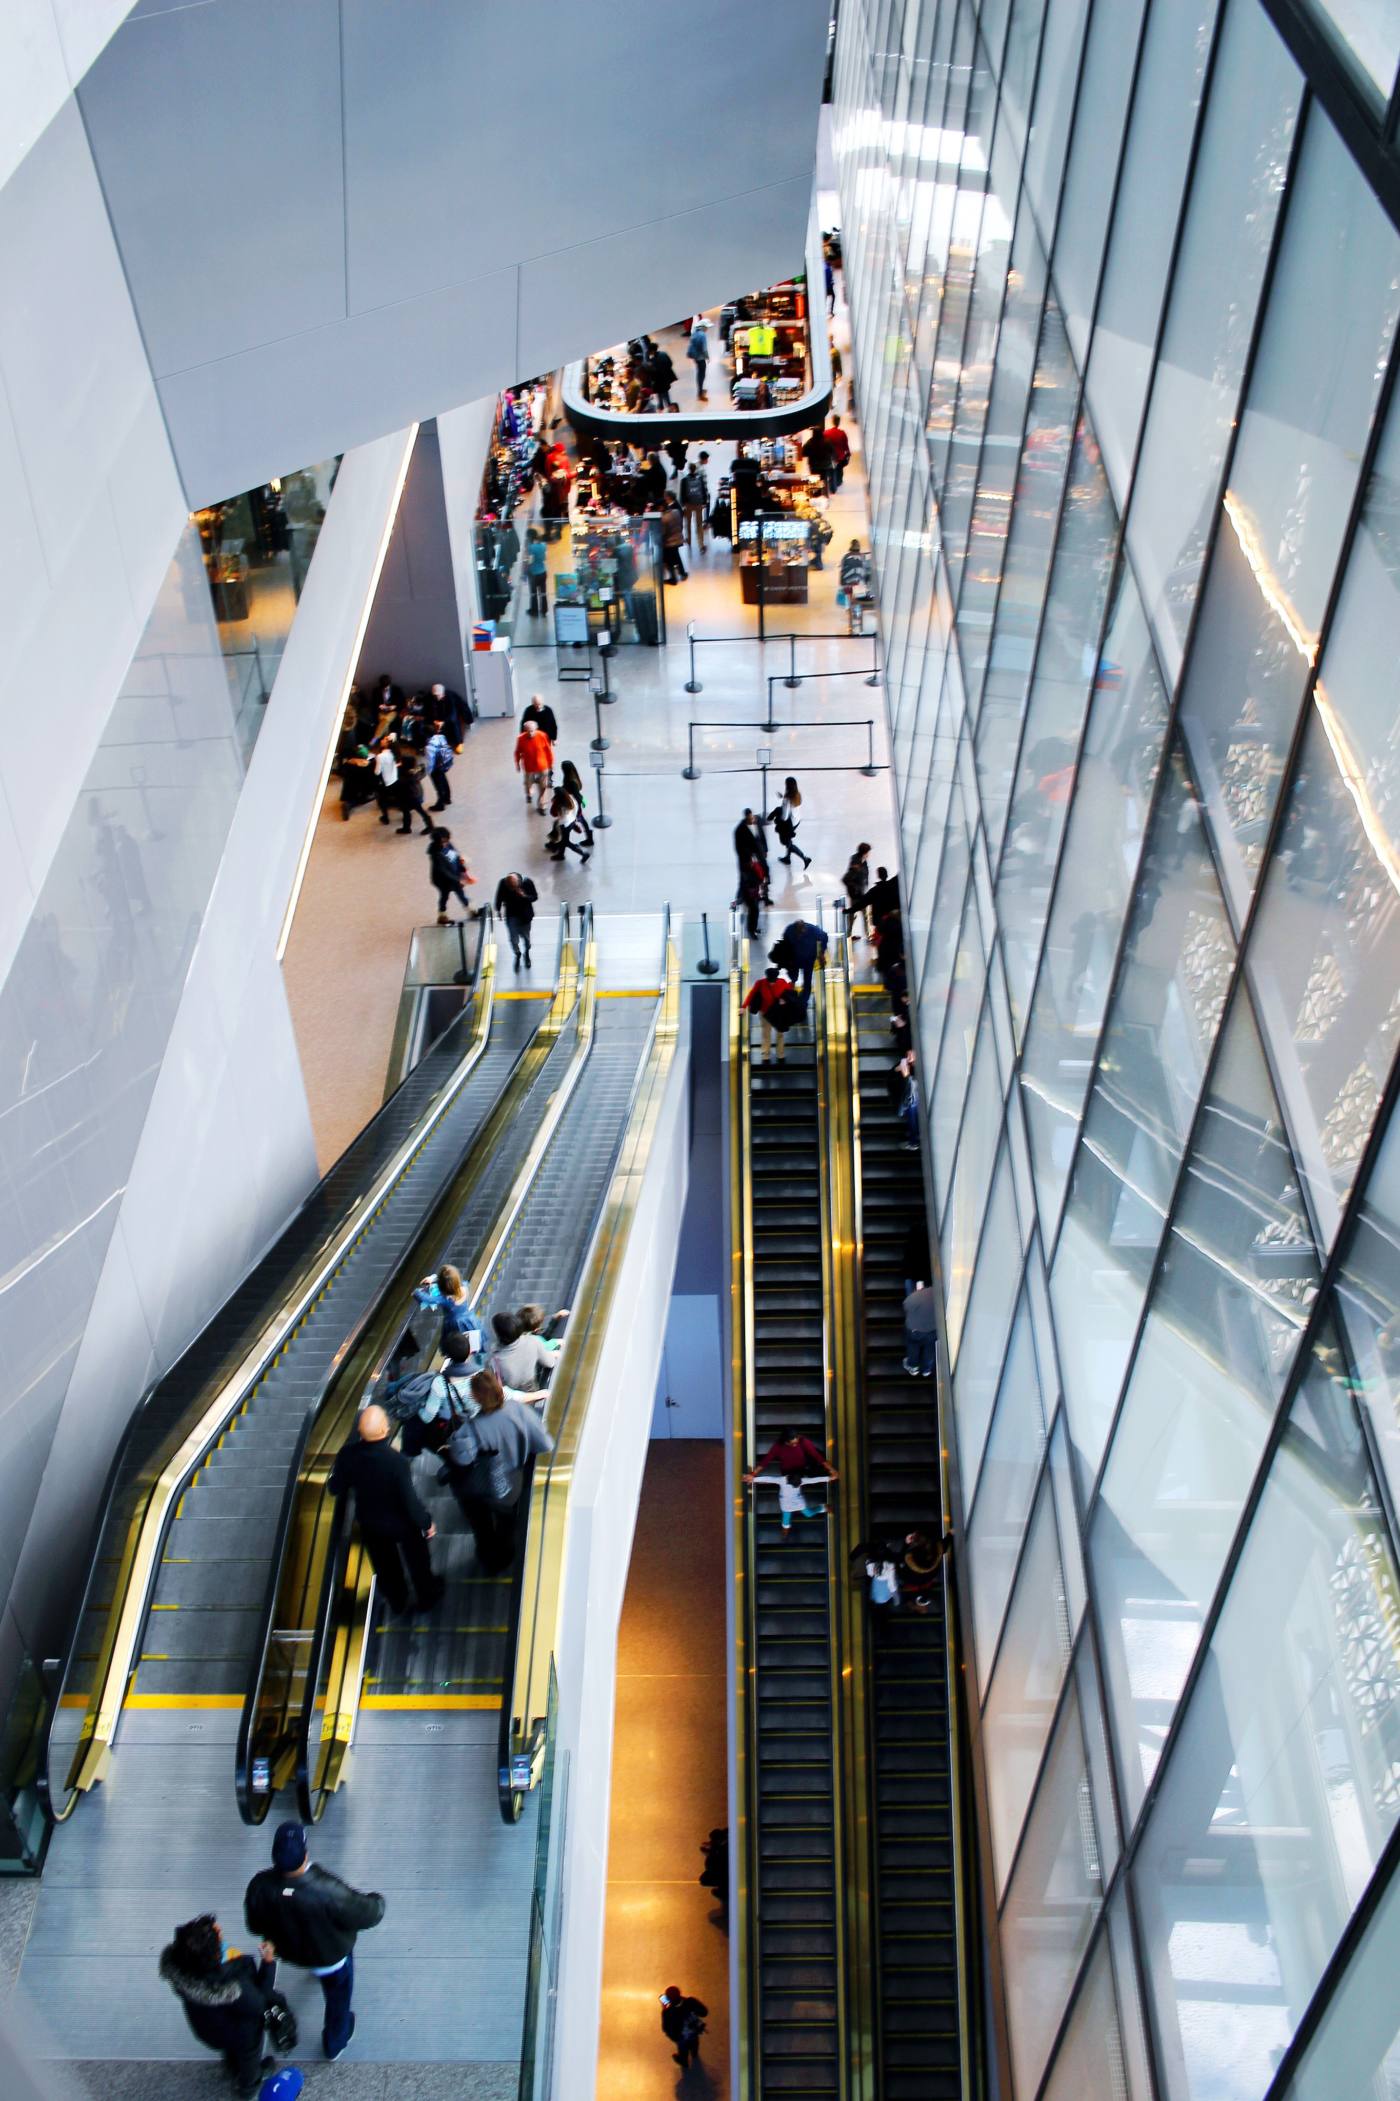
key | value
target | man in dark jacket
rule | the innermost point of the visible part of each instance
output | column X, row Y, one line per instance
column 311, row 1917
column 750, row 845
column 662, row 375
column 225, row 1997
column 516, row 897
column 540, row 713
column 394, row 1523
column 682, row 2023
column 804, row 943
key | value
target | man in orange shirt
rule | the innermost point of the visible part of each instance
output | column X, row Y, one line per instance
column 534, row 757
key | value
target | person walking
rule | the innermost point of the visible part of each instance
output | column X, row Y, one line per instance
column 830, row 288
column 395, row 1525
column 672, row 535
column 856, row 883
column 785, row 820
column 698, row 351
column 695, row 505
column 854, row 579
column 438, row 758
column 312, row 1919
column 653, row 481
column 906, row 1098
column 565, row 812
column 410, row 795
column 448, row 871
column 226, row 1997
column 921, row 1332
column 752, row 886
column 537, row 571
column 386, row 775
column 516, row 898
column 683, row 2023
column 540, row 715
column 676, row 448
column 487, row 1457
column 817, row 454
column 572, row 782
column 750, row 844
column 838, row 447
column 773, row 999
column 806, row 945
column 534, row 758
column 662, row 374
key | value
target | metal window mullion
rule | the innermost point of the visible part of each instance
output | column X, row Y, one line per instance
column 1335, row 1969
column 1366, row 135
column 983, row 1013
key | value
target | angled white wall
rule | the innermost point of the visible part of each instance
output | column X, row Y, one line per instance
column 341, row 216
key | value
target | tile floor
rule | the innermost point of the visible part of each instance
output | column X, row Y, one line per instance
column 670, row 1779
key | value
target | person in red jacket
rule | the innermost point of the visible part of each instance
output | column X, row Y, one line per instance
column 773, row 999
column 838, row 447
column 534, row 757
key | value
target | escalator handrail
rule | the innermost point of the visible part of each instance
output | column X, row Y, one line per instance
column 534, row 1603
column 331, row 1528
column 745, row 2007
column 839, row 1125
column 311, row 1789
column 959, row 1786
column 176, row 1457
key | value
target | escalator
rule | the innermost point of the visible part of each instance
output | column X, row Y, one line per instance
column 791, row 1909
column 921, row 2022
column 171, row 1610
column 523, row 1233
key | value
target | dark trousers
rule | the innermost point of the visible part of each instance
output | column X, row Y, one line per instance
column 492, row 1526
column 793, row 848
column 337, row 1990
column 386, row 797
column 687, row 2051
column 389, row 1556
column 451, row 890
column 438, row 777
column 412, row 810
column 519, row 931
column 539, row 593
column 246, row 2062
column 674, row 566
column 920, row 1350
column 700, row 364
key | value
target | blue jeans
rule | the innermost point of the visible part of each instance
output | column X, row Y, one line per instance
column 337, row 1989
column 909, row 1115
column 921, row 1351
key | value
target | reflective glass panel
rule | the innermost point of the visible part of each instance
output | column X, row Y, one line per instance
column 1165, row 103
column 1088, row 193
column 1068, row 670
column 1005, row 670
column 1325, row 957
column 1238, row 180
column 955, row 1055
column 1030, row 1669
column 1053, row 1901
column 1355, row 2053
column 1368, row 1294
column 1166, row 1008
column 979, row 1347
column 1228, row 1308
column 977, row 1144
column 1118, row 767
column 1367, row 33
column 1004, row 1490
column 1283, row 1785
column 1311, row 398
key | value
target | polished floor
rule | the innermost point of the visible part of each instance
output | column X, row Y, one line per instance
column 366, row 887
column 669, row 1786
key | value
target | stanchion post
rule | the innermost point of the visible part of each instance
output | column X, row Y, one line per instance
column 461, row 976
column 868, row 769
column 874, row 678
column 692, row 684
column 607, row 696
column 599, row 741
column 770, row 725
column 602, row 820
column 690, row 771
column 792, row 679
column 707, row 965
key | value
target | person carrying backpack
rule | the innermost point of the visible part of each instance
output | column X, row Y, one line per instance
column 431, row 1404
column 775, row 1001
column 486, row 1459
column 447, row 871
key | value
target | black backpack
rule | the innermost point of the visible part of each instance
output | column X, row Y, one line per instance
column 786, row 1011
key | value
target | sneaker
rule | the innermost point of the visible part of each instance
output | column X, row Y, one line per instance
column 929, row 1373
column 912, row 1369
column 527, row 959
column 332, row 2055
column 582, row 859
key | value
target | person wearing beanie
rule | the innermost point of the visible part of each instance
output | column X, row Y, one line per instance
column 309, row 1916
column 225, row 1995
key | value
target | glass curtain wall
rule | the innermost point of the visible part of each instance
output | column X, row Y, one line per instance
column 1124, row 315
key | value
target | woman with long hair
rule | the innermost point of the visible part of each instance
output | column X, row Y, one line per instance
column 784, row 820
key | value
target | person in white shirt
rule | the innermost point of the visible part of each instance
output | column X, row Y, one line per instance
column 386, row 775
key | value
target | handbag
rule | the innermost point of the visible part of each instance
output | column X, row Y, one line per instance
column 842, row 599
column 482, row 1472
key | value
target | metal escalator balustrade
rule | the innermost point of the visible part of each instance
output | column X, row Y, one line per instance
column 311, row 1535
column 803, row 2025
column 921, row 1968
column 456, row 1655
column 535, row 1595
column 333, row 1245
